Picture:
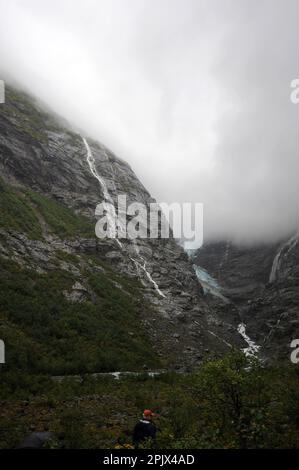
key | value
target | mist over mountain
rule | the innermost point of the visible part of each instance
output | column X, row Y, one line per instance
column 195, row 96
column 116, row 332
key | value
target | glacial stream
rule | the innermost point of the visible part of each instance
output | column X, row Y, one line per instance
column 252, row 349
column 212, row 287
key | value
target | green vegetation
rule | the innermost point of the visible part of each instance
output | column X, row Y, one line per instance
column 67, row 257
column 46, row 333
column 61, row 220
column 20, row 208
column 16, row 213
column 231, row 402
column 227, row 403
column 32, row 118
column 26, row 117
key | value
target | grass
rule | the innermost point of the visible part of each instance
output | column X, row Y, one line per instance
column 67, row 257
column 60, row 219
column 19, row 210
column 26, row 117
column 45, row 332
column 16, row 212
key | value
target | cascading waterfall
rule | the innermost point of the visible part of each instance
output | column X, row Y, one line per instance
column 275, row 266
column 211, row 286
column 108, row 199
column 143, row 267
column 225, row 256
column 92, row 166
column 253, row 348
column 220, row 339
column 285, row 249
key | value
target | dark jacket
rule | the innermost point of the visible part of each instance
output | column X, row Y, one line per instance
column 144, row 429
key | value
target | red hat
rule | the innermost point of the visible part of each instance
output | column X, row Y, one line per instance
column 148, row 413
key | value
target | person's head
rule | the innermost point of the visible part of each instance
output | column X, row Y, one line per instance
column 148, row 414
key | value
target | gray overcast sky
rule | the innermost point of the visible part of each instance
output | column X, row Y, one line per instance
column 194, row 94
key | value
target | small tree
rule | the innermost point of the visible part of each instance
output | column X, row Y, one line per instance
column 233, row 397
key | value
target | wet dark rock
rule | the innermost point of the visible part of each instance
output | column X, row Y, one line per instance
column 52, row 161
column 269, row 309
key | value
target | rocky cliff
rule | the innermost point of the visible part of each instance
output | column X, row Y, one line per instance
column 69, row 296
column 263, row 283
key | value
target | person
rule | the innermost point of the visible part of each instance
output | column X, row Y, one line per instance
column 144, row 429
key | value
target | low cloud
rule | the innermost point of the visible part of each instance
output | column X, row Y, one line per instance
column 194, row 95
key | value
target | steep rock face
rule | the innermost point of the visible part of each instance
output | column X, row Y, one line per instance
column 241, row 271
column 44, row 164
column 263, row 283
column 276, row 310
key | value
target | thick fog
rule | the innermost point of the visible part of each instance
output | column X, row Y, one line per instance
column 194, row 94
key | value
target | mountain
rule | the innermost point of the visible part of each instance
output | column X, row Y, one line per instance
column 263, row 283
column 71, row 302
